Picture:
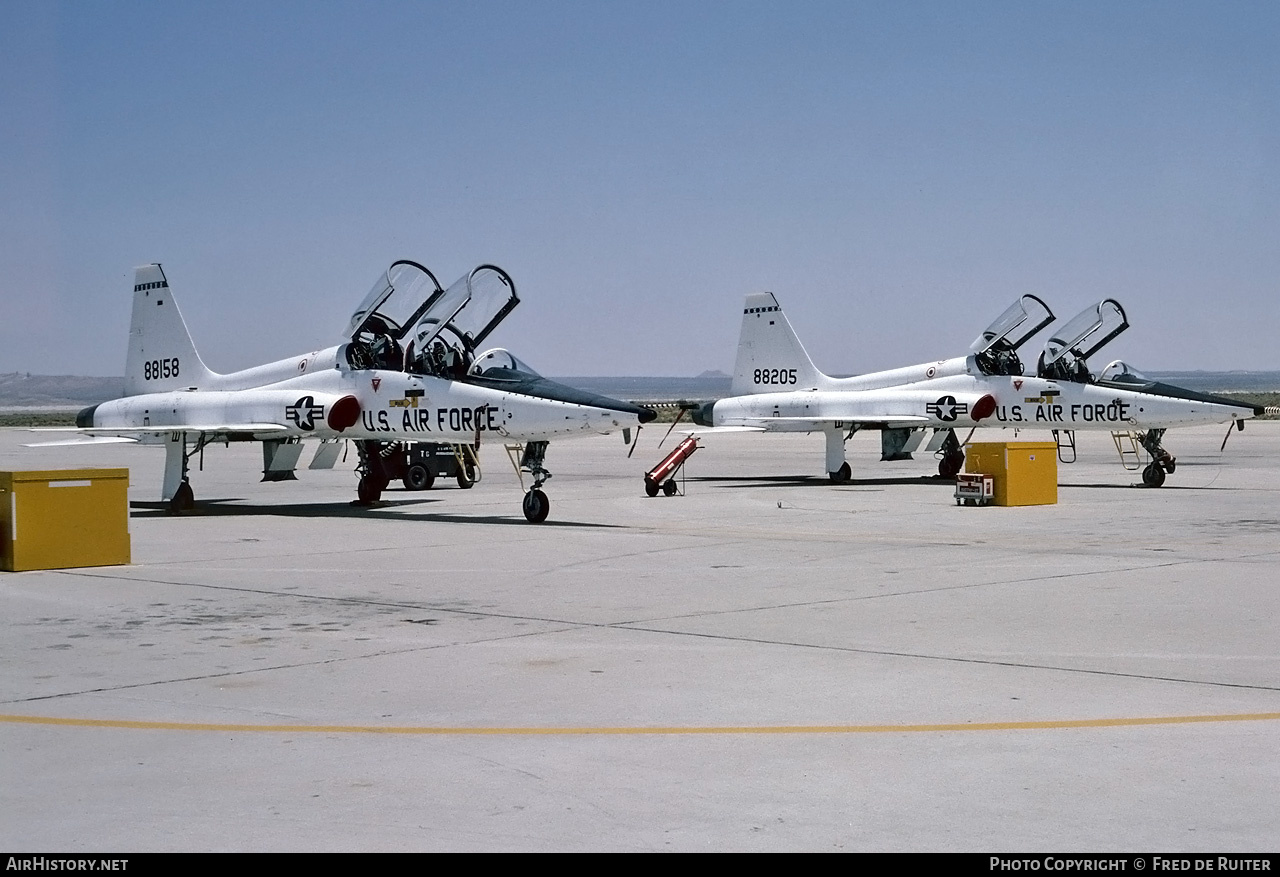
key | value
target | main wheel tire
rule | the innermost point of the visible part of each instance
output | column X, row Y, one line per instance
column 1153, row 475
column 651, row 487
column 369, row 490
column 418, row 477
column 841, row 475
column 950, row 465
column 183, row 499
column 467, row 476
column 536, row 506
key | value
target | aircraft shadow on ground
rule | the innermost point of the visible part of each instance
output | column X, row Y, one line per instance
column 1133, row 485
column 817, row 481
column 383, row 511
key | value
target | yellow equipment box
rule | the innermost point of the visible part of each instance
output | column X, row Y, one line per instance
column 1026, row 473
column 64, row 518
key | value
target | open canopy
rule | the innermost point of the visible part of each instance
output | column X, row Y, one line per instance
column 409, row 321
column 398, row 299
column 1022, row 319
column 446, row 335
column 996, row 349
column 1086, row 333
column 469, row 309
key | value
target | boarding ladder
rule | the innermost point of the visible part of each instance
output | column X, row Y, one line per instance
column 1129, row 446
column 1065, row 439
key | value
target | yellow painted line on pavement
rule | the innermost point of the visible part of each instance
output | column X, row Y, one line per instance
column 656, row 730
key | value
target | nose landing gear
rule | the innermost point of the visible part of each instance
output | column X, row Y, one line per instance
column 536, row 506
column 1162, row 462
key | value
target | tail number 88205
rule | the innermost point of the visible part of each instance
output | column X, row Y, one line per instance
column 775, row 375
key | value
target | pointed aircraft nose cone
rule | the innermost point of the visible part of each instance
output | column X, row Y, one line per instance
column 343, row 413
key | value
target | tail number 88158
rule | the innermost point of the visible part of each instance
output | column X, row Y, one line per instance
column 156, row 369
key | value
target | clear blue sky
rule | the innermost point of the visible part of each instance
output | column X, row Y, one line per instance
column 896, row 172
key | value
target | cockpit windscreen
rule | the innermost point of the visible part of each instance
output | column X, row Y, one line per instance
column 498, row 363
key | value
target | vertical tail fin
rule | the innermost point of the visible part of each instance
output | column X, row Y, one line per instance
column 161, row 355
column 770, row 356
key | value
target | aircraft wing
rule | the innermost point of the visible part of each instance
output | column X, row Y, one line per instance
column 823, row 422
column 84, row 440
column 693, row 429
column 197, row 427
column 114, row 435
column 761, row 424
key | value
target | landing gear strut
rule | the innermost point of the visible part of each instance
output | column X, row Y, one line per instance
column 1162, row 462
column 950, row 456
column 176, row 466
column 536, row 505
column 373, row 473
column 837, row 467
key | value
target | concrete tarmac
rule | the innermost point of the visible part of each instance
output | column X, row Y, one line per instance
column 768, row 662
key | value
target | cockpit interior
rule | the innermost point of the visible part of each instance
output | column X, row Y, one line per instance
column 409, row 323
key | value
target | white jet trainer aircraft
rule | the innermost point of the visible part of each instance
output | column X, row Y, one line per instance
column 777, row 388
column 407, row 371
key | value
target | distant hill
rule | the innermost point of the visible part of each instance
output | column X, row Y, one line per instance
column 22, row 390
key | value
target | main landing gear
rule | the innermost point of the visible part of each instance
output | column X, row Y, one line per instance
column 375, row 469
column 837, row 467
column 1162, row 462
column 181, row 498
column 415, row 464
column 950, row 456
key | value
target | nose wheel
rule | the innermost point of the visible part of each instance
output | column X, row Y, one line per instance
column 1153, row 475
column 536, row 506
column 1162, row 462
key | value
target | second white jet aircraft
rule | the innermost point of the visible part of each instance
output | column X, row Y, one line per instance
column 777, row 388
